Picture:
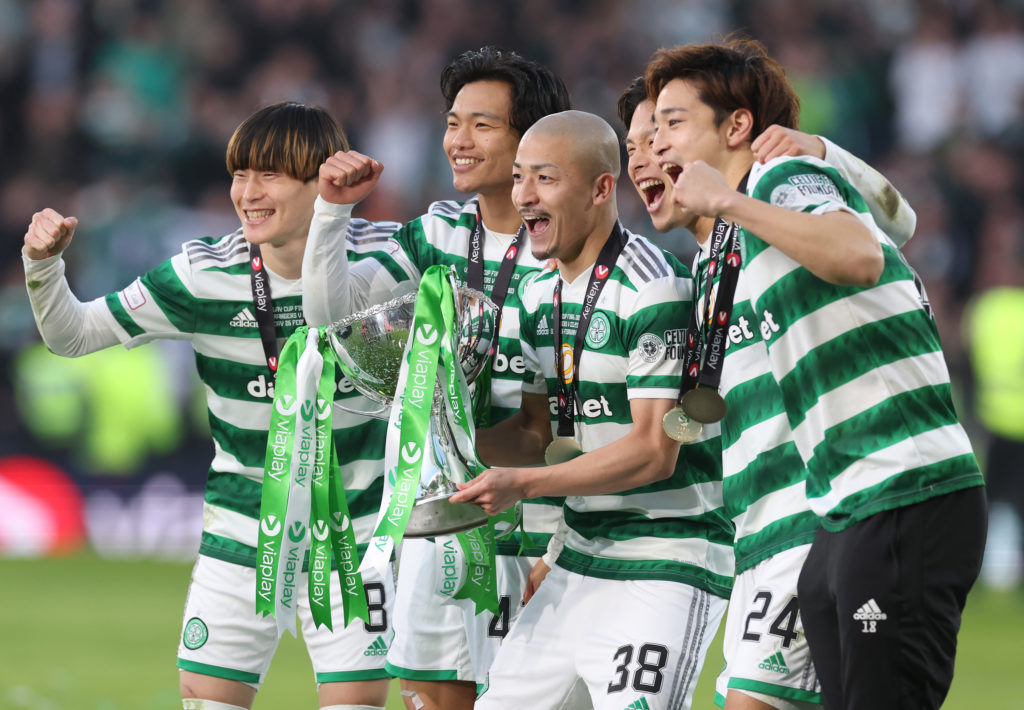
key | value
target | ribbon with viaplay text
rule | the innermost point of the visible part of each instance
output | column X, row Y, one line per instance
column 410, row 416
column 304, row 507
column 473, row 561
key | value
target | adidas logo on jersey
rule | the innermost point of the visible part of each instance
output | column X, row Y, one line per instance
column 775, row 663
column 377, row 648
column 543, row 327
column 869, row 615
column 870, row 612
column 640, row 704
column 244, row 319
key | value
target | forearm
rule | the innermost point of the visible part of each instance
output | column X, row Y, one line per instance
column 635, row 460
column 67, row 326
column 891, row 212
column 835, row 247
column 327, row 293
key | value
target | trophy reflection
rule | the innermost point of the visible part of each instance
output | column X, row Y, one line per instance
column 370, row 347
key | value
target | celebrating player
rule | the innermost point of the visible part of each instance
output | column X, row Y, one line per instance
column 492, row 97
column 768, row 664
column 853, row 348
column 222, row 294
column 631, row 605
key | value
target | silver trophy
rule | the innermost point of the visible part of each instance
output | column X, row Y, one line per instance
column 370, row 346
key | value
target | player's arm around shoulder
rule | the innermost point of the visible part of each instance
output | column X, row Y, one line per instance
column 828, row 239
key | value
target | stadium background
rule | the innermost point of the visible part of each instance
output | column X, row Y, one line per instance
column 117, row 111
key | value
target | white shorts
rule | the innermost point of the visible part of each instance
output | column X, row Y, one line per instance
column 438, row 641
column 626, row 643
column 765, row 649
column 223, row 637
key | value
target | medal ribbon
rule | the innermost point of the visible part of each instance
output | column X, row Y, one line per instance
column 475, row 280
column 705, row 346
column 598, row 278
column 259, row 281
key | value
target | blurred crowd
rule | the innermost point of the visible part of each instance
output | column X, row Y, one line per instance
column 118, row 111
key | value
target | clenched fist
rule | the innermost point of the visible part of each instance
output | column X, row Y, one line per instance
column 348, row 177
column 48, row 234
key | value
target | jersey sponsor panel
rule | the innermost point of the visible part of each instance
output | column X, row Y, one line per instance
column 863, row 380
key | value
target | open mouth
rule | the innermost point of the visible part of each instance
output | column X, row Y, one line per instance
column 465, row 162
column 255, row 216
column 653, row 191
column 535, row 224
column 672, row 170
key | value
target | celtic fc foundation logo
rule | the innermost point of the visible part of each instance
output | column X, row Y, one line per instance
column 599, row 331
column 195, row 633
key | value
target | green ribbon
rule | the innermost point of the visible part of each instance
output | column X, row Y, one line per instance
column 414, row 399
column 303, row 483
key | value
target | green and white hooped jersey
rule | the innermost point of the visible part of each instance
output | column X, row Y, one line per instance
column 763, row 474
column 861, row 370
column 673, row 530
column 441, row 236
column 204, row 295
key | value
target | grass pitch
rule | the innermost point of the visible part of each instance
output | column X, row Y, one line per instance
column 84, row 633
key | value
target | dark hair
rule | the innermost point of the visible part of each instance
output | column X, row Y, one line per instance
column 536, row 90
column 634, row 95
column 288, row 137
column 738, row 73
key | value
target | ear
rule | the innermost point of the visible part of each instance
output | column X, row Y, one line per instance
column 604, row 188
column 739, row 128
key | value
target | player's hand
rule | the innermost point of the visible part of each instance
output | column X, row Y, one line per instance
column 494, row 490
column 537, row 575
column 348, row 177
column 48, row 234
column 777, row 141
column 701, row 189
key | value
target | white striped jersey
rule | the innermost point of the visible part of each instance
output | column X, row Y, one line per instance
column 674, row 529
column 204, row 295
column 863, row 378
column 384, row 261
column 763, row 474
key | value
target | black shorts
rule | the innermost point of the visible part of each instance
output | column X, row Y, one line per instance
column 881, row 601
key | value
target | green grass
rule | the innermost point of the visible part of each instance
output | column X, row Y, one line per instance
column 83, row 633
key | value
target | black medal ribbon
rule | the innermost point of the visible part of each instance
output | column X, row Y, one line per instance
column 264, row 304
column 475, row 268
column 704, row 355
column 598, row 278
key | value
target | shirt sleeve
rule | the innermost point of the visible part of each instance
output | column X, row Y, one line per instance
column 351, row 264
column 890, row 210
column 67, row 326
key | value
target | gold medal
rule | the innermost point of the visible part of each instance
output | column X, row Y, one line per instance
column 560, row 450
column 680, row 427
column 704, row 404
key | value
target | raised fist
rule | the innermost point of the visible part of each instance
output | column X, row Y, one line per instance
column 48, row 234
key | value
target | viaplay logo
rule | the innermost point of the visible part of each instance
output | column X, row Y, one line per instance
column 257, row 263
column 271, row 526
column 411, row 452
column 601, row 271
column 426, row 334
column 340, row 522
column 320, row 530
column 511, row 253
column 297, row 532
column 286, row 405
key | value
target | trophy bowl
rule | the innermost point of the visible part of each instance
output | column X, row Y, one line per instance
column 370, row 347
